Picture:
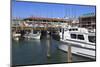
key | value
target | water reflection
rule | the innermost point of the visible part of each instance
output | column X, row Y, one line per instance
column 39, row 52
column 48, row 46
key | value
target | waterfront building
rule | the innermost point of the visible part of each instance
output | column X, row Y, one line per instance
column 88, row 21
column 46, row 22
column 40, row 23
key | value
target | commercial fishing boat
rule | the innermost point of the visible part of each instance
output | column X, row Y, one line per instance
column 33, row 35
column 16, row 35
column 81, row 41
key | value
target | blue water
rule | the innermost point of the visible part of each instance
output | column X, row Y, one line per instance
column 35, row 52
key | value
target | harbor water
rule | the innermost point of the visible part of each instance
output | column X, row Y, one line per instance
column 44, row 51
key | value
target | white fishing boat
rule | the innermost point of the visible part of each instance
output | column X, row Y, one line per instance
column 16, row 35
column 81, row 41
column 33, row 35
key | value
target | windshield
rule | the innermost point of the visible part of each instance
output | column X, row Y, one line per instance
column 92, row 39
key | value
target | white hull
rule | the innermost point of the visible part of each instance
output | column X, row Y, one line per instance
column 86, row 51
column 79, row 43
column 16, row 38
column 16, row 35
column 32, row 36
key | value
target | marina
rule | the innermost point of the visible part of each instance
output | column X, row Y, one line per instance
column 52, row 34
column 47, row 44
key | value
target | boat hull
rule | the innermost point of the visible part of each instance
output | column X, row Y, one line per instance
column 33, row 36
column 16, row 35
column 78, row 49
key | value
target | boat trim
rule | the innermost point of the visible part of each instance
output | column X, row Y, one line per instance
column 80, row 42
column 80, row 46
column 85, row 55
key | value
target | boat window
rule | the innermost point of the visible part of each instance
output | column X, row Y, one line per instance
column 81, row 37
column 69, row 29
column 92, row 39
column 73, row 36
column 34, row 32
column 73, row 29
column 60, row 30
column 76, row 29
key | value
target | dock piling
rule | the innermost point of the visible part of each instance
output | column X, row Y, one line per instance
column 69, row 54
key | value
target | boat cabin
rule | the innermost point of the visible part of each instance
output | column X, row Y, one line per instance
column 78, row 34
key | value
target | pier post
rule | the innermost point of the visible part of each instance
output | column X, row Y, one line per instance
column 63, row 33
column 69, row 57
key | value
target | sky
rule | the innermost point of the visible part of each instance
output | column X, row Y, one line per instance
column 27, row 9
